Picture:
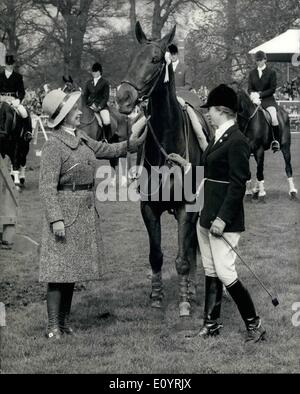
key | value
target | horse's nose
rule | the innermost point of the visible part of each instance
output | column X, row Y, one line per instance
column 126, row 98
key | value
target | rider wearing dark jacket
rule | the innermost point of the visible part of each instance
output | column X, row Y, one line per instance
column 11, row 81
column 263, row 81
column 96, row 96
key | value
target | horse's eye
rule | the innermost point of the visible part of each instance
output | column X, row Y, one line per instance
column 155, row 59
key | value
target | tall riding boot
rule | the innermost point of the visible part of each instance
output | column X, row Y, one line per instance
column 212, row 308
column 107, row 131
column 243, row 300
column 275, row 145
column 65, row 308
column 53, row 304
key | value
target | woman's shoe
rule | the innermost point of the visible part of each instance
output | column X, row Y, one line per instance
column 207, row 330
column 65, row 327
column 53, row 333
column 255, row 332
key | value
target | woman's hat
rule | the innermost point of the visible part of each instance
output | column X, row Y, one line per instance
column 260, row 55
column 223, row 96
column 58, row 104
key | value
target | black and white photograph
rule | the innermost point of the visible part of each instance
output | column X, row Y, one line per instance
column 149, row 178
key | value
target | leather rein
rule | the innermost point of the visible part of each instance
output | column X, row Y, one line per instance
column 249, row 119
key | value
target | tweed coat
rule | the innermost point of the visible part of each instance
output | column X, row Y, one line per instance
column 67, row 159
column 227, row 160
column 99, row 94
column 14, row 84
column 266, row 86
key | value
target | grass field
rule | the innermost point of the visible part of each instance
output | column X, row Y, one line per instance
column 135, row 338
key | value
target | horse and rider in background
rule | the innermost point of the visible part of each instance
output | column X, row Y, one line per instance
column 15, row 121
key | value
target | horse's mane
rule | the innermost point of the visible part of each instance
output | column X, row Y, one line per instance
column 244, row 102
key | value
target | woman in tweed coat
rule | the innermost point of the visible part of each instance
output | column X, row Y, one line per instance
column 71, row 246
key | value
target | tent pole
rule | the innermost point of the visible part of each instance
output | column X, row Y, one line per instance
column 288, row 72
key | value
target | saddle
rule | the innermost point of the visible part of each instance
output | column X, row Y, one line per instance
column 266, row 115
column 199, row 127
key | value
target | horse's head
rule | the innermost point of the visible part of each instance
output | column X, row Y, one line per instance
column 144, row 70
column 70, row 85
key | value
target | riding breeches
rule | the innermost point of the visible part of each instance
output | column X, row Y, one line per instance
column 273, row 113
column 218, row 258
column 105, row 116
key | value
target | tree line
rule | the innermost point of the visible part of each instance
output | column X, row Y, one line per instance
column 52, row 38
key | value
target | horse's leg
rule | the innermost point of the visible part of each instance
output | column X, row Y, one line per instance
column 249, row 191
column 15, row 162
column 259, row 189
column 23, row 152
column 186, row 257
column 151, row 217
column 286, row 152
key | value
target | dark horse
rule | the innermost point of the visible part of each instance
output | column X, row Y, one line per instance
column 15, row 136
column 255, row 123
column 167, row 133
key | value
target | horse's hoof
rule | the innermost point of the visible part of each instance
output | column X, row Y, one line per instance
column 6, row 245
column 157, row 304
column 262, row 199
column 192, row 292
column 18, row 188
column 184, row 309
column 293, row 195
column 248, row 197
column 255, row 196
column 22, row 181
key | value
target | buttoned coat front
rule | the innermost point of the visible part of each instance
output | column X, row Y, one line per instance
column 68, row 159
column 266, row 86
column 226, row 161
column 14, row 84
column 97, row 94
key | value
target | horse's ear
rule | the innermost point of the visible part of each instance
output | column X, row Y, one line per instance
column 168, row 38
column 64, row 79
column 70, row 79
column 140, row 35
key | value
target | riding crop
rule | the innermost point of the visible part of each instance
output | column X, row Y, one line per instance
column 275, row 301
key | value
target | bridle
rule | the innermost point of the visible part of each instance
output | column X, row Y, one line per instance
column 249, row 119
column 142, row 97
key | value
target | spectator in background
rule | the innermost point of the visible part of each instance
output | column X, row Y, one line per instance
column 96, row 96
column 183, row 75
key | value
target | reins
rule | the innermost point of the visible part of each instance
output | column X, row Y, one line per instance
column 249, row 119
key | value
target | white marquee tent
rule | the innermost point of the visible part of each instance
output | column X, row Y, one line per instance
column 283, row 48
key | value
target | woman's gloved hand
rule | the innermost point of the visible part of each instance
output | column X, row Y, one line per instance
column 177, row 159
column 217, row 227
column 59, row 229
column 138, row 136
